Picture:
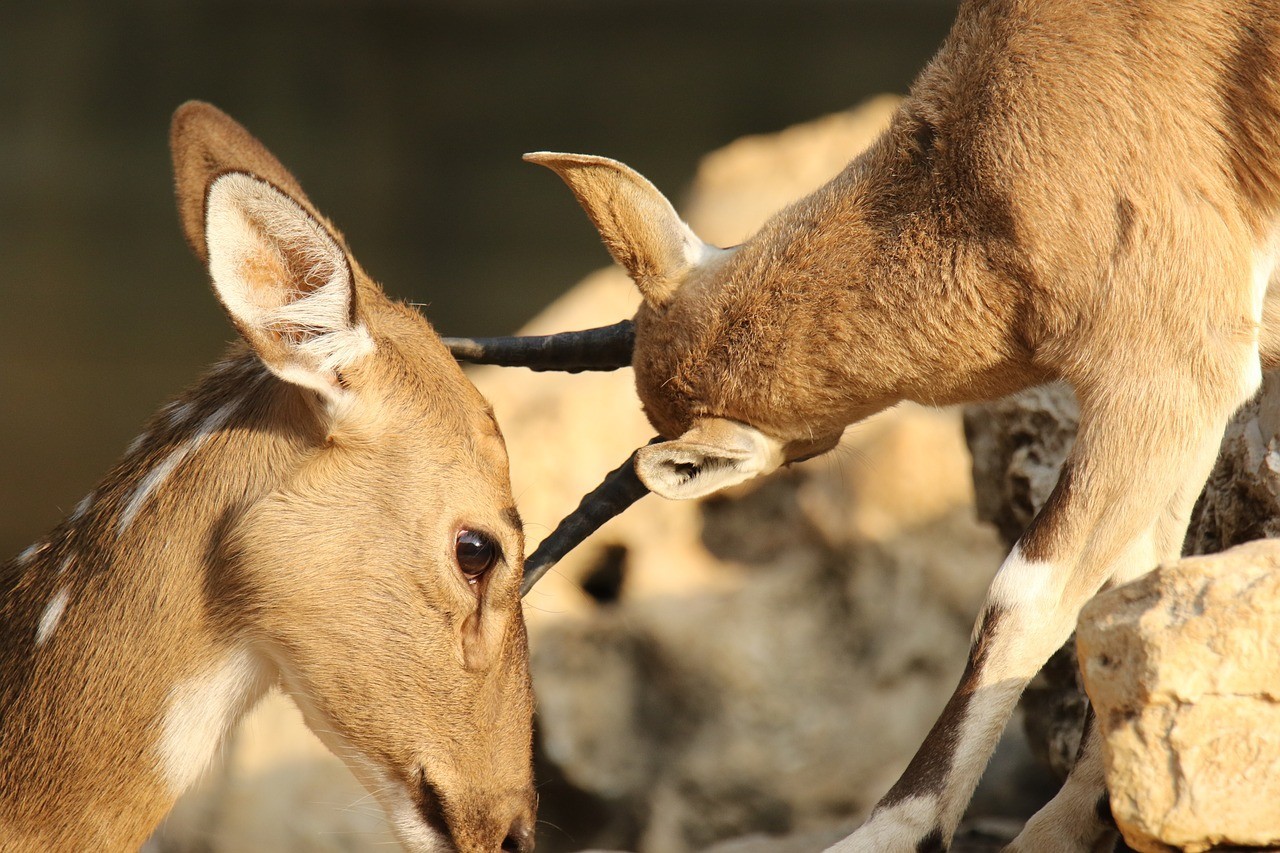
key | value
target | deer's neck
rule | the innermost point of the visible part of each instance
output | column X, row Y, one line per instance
column 120, row 671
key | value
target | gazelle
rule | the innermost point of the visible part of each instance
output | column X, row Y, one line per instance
column 327, row 511
column 1075, row 189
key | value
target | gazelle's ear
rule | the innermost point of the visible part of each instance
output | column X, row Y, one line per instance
column 285, row 281
column 715, row 454
column 639, row 226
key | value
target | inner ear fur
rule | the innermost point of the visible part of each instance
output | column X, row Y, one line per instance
column 285, row 281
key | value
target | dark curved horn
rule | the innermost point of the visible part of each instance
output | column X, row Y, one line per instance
column 620, row 489
column 605, row 348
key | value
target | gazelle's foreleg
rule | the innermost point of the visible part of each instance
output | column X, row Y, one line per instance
column 1138, row 440
column 1073, row 821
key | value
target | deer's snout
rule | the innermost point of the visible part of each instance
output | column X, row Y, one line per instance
column 504, row 824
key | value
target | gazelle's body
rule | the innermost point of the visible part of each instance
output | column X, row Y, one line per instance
column 1086, row 190
column 291, row 520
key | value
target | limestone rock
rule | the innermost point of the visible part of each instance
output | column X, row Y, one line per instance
column 1241, row 500
column 1018, row 445
column 1183, row 667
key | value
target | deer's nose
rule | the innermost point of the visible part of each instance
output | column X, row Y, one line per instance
column 519, row 837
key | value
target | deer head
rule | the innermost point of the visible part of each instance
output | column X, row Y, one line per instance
column 378, row 575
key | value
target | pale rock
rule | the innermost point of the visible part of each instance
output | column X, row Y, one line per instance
column 1183, row 667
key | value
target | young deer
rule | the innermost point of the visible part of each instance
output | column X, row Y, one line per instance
column 326, row 511
column 1075, row 189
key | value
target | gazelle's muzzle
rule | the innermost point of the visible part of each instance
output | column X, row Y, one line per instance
column 605, row 348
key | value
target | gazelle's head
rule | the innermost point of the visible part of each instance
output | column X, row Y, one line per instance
column 725, row 365
column 715, row 367
column 380, row 575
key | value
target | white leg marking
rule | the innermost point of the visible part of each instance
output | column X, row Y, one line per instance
column 1070, row 820
column 1028, row 586
column 898, row 827
column 985, row 718
column 157, row 475
column 199, row 713
column 51, row 616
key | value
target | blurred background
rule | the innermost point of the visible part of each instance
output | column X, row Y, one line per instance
column 404, row 120
column 719, row 675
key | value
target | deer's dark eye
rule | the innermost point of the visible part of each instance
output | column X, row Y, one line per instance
column 476, row 553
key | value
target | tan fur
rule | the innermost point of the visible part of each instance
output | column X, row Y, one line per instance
column 318, row 538
column 1083, row 190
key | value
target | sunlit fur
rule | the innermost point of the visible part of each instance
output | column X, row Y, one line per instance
column 257, row 534
column 1084, row 190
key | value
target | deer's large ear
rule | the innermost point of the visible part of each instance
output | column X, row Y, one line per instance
column 281, row 272
column 715, row 454
column 205, row 142
column 284, row 280
column 639, row 226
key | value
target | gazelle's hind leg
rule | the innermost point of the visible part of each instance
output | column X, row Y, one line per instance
column 1072, row 821
column 1141, row 441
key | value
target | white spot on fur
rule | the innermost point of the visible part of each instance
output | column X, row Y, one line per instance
column 136, row 444
column 897, row 827
column 81, row 508
column 1264, row 267
column 29, row 553
column 179, row 413
column 51, row 616
column 696, row 252
column 157, row 475
column 407, row 823
column 66, row 564
column 200, row 711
